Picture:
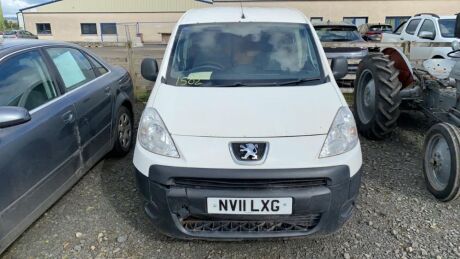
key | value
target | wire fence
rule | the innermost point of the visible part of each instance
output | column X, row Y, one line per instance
column 140, row 33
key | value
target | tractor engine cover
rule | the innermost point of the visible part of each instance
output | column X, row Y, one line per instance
column 439, row 68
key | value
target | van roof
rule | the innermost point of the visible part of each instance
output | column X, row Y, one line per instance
column 234, row 14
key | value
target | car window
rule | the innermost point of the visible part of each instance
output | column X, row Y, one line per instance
column 25, row 81
column 228, row 54
column 447, row 28
column 100, row 69
column 427, row 26
column 337, row 33
column 400, row 28
column 412, row 26
column 381, row 27
column 74, row 68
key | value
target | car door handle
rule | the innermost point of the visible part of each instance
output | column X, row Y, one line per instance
column 68, row 117
column 107, row 90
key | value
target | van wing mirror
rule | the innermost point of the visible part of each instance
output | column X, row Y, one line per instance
column 149, row 69
column 12, row 116
column 428, row 35
column 339, row 67
column 457, row 27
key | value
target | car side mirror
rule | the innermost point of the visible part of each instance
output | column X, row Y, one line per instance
column 457, row 26
column 149, row 69
column 339, row 67
column 12, row 116
column 428, row 35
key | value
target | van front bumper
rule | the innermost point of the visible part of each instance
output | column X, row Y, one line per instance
column 176, row 200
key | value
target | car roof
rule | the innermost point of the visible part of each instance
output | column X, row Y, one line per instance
column 379, row 24
column 329, row 23
column 9, row 46
column 447, row 17
column 234, row 15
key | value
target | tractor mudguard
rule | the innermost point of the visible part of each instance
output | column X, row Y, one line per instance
column 402, row 64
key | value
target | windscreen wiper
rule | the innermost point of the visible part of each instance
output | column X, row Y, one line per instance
column 298, row 81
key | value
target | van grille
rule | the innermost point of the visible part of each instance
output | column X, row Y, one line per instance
column 289, row 224
column 249, row 183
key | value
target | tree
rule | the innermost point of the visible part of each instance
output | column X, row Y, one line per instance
column 1, row 18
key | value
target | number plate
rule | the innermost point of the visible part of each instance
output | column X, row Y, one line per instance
column 250, row 206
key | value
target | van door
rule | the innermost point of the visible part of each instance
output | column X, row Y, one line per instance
column 93, row 99
column 417, row 52
column 39, row 160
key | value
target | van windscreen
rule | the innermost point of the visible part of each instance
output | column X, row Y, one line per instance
column 244, row 54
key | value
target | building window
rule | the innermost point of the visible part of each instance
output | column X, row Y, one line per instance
column 358, row 21
column 109, row 28
column 396, row 21
column 316, row 19
column 43, row 28
column 88, row 28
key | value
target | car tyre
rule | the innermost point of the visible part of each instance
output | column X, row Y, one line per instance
column 124, row 132
column 376, row 96
column 441, row 163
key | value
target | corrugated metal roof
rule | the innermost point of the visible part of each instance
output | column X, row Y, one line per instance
column 98, row 6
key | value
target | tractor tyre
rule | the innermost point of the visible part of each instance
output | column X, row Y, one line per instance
column 376, row 96
column 441, row 163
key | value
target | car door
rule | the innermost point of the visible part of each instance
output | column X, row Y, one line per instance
column 93, row 99
column 409, row 33
column 39, row 160
column 419, row 52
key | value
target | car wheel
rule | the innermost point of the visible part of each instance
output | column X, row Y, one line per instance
column 124, row 132
column 441, row 163
column 376, row 96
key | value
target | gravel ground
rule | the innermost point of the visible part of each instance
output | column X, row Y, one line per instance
column 395, row 217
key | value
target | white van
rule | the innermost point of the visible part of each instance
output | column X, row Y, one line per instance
column 246, row 134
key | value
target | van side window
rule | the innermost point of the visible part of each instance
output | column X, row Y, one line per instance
column 25, row 81
column 74, row 68
column 412, row 26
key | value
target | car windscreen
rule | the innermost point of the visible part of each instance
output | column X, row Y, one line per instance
column 244, row 54
column 337, row 33
column 447, row 28
column 383, row 28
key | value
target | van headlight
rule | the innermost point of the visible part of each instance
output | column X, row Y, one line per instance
column 154, row 136
column 342, row 136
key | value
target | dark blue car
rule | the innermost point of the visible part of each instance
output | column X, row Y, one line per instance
column 62, row 109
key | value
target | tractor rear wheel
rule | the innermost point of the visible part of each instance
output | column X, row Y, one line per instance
column 376, row 96
column 441, row 163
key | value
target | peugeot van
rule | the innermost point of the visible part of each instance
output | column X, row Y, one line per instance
column 246, row 134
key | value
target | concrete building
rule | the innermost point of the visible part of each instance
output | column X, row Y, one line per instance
column 153, row 20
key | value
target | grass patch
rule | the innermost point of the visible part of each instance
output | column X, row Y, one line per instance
column 349, row 98
column 142, row 96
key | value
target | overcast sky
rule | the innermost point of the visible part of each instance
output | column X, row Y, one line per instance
column 11, row 7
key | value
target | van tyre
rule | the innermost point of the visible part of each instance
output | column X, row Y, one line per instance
column 376, row 96
column 124, row 132
column 441, row 163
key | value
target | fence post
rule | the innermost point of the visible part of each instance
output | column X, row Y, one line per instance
column 132, row 72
